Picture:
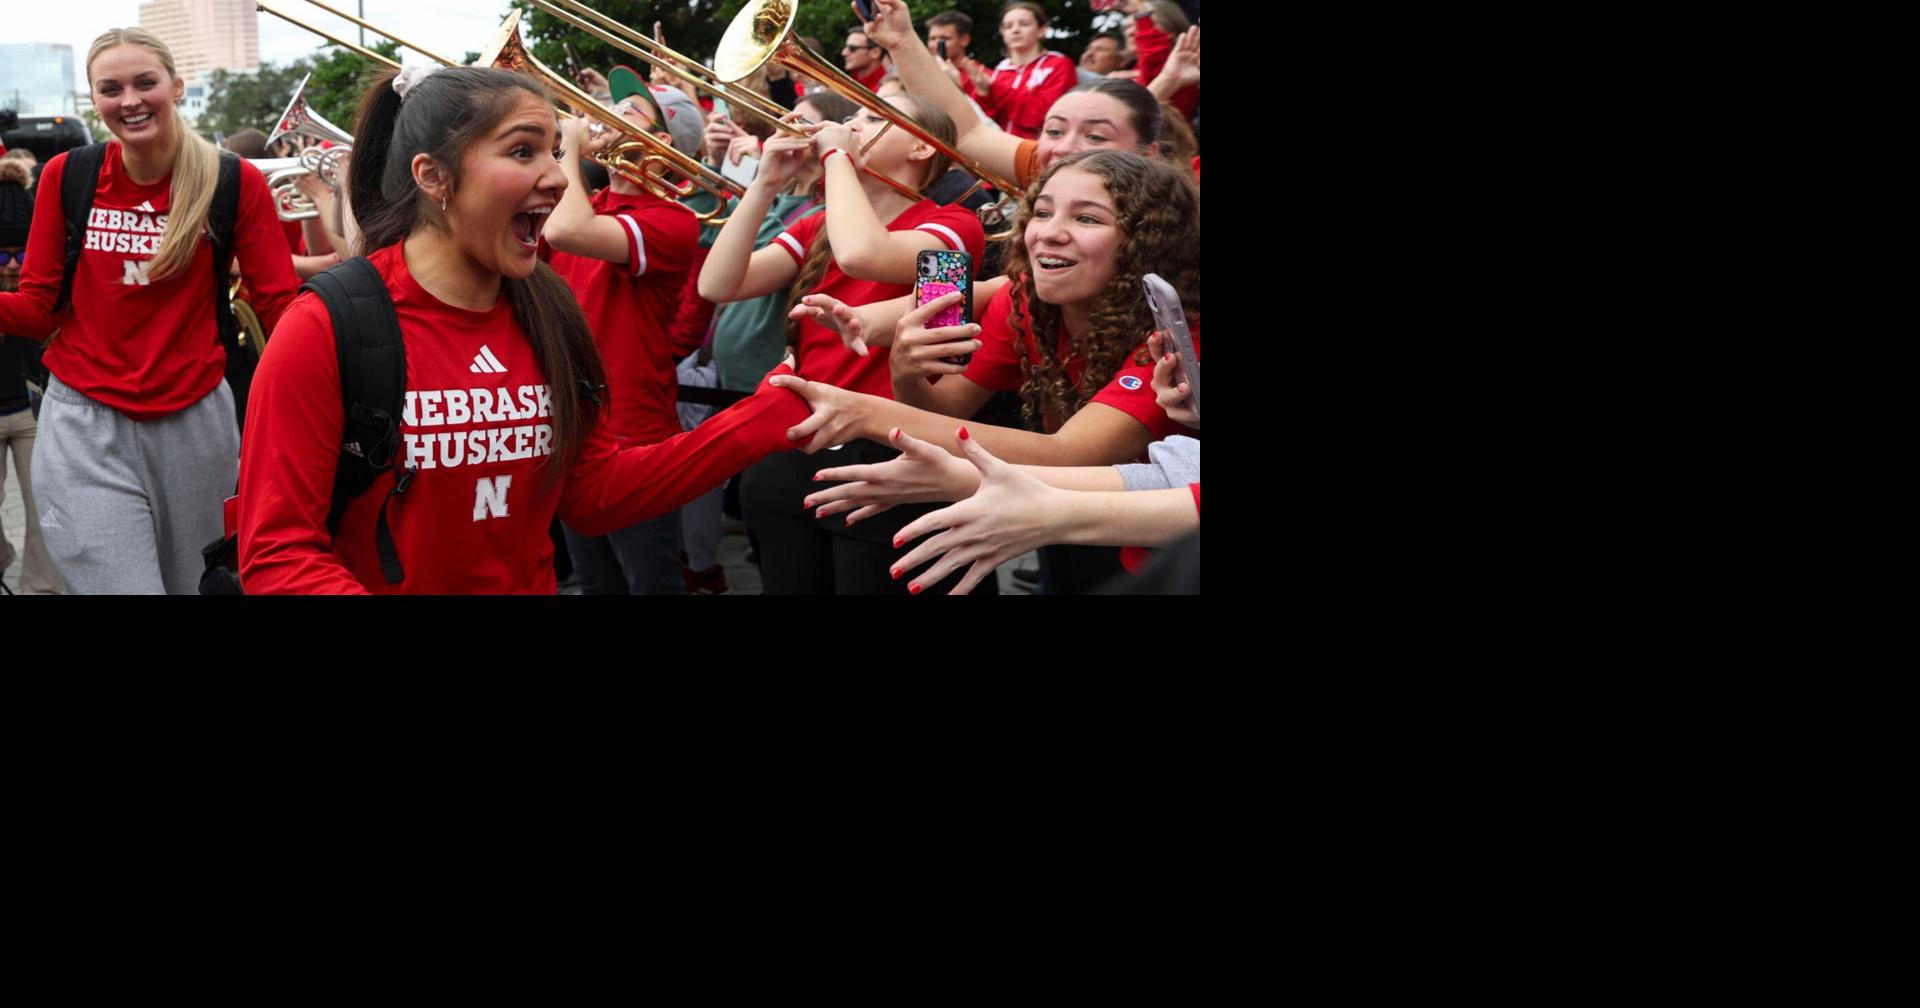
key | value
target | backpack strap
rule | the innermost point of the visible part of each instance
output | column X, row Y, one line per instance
column 222, row 217
column 81, row 177
column 373, row 386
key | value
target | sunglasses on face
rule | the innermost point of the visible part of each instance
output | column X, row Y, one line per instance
column 856, row 48
column 7, row 258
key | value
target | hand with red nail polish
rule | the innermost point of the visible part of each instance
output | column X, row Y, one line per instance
column 1170, row 390
column 920, row 353
column 923, row 473
column 1009, row 515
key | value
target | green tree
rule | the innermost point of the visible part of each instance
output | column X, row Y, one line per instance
column 99, row 128
column 340, row 76
column 694, row 27
column 237, row 101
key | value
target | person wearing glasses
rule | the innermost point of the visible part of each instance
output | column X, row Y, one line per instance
column 863, row 60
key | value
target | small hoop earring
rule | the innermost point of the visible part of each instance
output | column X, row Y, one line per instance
column 443, row 204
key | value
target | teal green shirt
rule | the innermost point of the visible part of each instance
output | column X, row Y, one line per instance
column 750, row 337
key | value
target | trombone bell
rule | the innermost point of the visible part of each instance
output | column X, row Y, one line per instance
column 301, row 120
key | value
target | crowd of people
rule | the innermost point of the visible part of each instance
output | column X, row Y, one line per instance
column 499, row 353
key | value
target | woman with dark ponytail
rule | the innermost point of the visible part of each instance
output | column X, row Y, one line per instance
column 862, row 249
column 453, row 175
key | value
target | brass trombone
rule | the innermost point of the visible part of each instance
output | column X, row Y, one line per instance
column 736, row 95
column 763, row 32
column 643, row 160
column 509, row 53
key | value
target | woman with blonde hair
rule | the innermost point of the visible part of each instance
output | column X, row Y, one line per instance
column 138, row 444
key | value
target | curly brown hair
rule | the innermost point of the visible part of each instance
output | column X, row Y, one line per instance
column 1159, row 218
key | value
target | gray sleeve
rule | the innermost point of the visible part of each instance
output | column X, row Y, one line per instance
column 1174, row 462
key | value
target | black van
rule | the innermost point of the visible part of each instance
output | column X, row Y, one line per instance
column 44, row 135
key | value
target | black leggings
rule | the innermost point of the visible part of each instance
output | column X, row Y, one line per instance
column 804, row 555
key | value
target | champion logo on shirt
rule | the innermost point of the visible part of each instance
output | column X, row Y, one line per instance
column 485, row 362
column 1130, row 382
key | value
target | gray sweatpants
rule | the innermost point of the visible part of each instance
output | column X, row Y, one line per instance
column 127, row 505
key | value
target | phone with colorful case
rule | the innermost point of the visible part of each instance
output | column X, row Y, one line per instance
column 1171, row 319
column 940, row 272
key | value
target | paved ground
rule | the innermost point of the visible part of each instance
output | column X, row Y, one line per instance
column 742, row 577
column 13, row 517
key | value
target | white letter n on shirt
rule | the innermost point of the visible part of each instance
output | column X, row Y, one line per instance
column 490, row 497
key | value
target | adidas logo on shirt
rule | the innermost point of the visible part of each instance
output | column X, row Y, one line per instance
column 147, row 206
column 485, row 362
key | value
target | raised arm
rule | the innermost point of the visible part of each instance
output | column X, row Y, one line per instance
column 734, row 271
column 892, row 27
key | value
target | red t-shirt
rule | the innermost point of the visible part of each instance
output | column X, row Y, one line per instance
column 821, row 355
column 695, row 314
column 477, row 425
column 1018, row 97
column 146, row 349
column 296, row 237
column 629, row 306
column 996, row 365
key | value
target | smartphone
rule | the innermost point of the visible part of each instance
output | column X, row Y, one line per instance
column 941, row 272
column 865, row 9
column 943, row 48
column 1172, row 320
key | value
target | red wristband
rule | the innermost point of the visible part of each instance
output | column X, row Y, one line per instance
column 831, row 151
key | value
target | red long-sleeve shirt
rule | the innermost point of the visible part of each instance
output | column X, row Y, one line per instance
column 1019, row 97
column 477, row 426
column 145, row 348
column 1153, row 47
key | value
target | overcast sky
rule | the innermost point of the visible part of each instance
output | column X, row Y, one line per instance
column 448, row 27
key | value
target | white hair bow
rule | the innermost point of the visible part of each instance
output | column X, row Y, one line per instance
column 409, row 78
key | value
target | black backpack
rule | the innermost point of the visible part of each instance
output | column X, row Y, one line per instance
column 373, row 387
column 82, row 177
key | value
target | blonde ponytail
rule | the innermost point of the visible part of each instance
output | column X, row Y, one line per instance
column 196, row 167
